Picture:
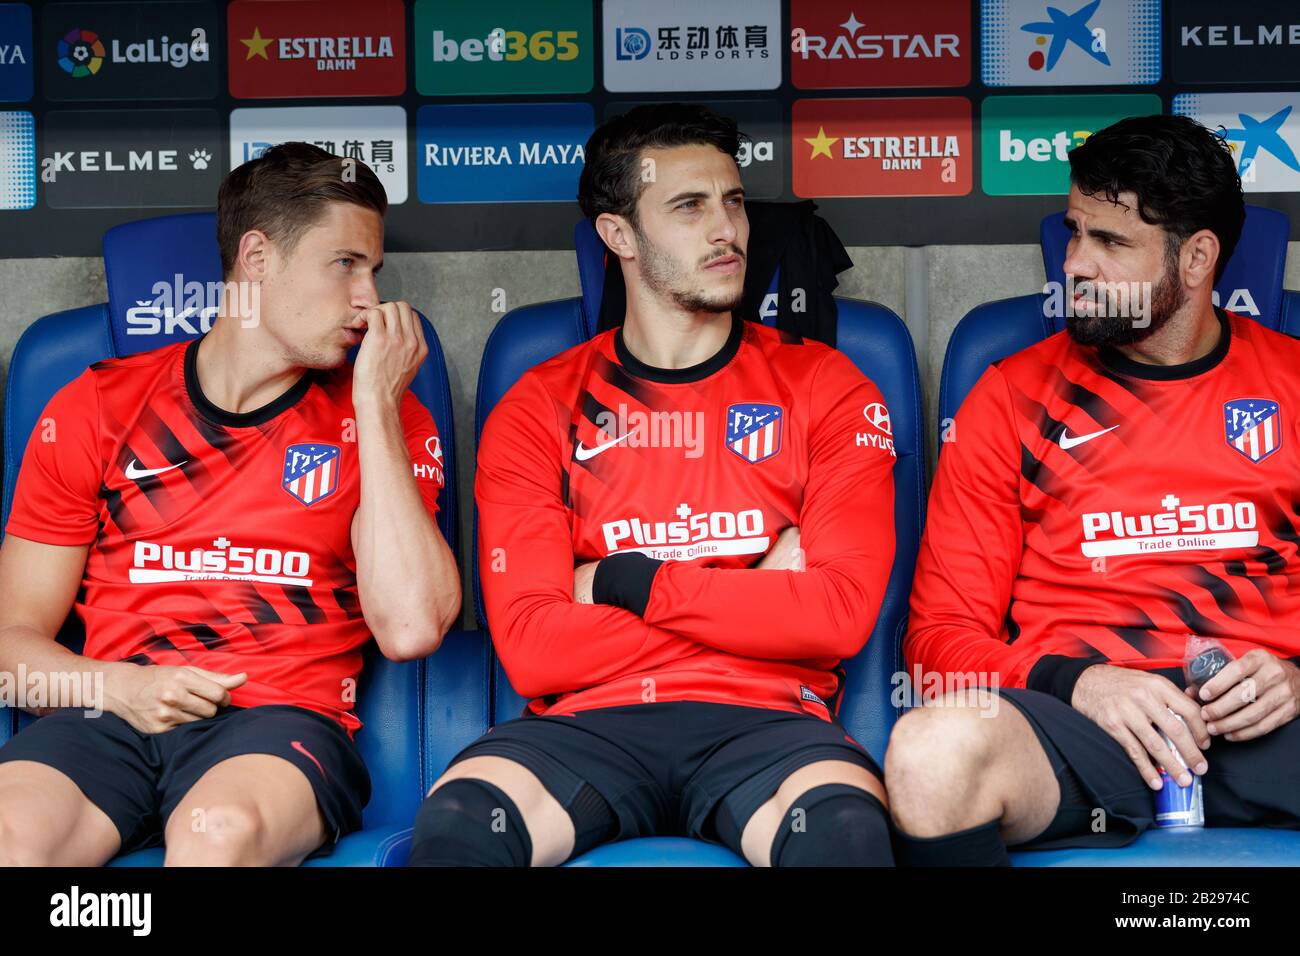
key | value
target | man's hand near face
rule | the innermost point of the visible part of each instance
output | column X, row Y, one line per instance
column 390, row 354
column 408, row 613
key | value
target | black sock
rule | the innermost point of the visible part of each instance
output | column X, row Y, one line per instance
column 840, row 825
column 978, row 846
column 468, row 822
column 593, row 819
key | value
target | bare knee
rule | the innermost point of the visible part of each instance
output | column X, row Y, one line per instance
column 936, row 743
column 942, row 770
column 226, row 834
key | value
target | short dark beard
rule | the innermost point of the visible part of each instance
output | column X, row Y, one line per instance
column 1166, row 298
column 662, row 275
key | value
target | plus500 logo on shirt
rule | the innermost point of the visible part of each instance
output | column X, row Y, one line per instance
column 692, row 536
column 156, row 563
column 1182, row 527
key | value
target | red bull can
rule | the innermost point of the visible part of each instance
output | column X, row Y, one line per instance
column 1179, row 806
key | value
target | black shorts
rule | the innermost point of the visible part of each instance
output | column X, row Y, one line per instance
column 138, row 779
column 1251, row 783
column 665, row 768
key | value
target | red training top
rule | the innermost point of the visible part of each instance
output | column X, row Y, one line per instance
column 1092, row 508
column 685, row 477
column 218, row 540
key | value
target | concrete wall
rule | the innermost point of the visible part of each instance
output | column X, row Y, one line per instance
column 930, row 287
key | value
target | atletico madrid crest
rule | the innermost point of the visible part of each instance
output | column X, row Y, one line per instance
column 311, row 471
column 754, row 431
column 1253, row 426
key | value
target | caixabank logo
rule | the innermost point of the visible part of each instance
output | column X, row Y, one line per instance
column 506, row 46
column 847, row 44
column 374, row 135
column 1070, row 42
column 316, row 48
column 919, row 146
column 130, row 159
column 1025, row 141
column 17, row 160
column 501, row 152
column 15, row 53
column 1216, row 42
column 126, row 51
column 692, row 46
column 1261, row 129
column 762, row 156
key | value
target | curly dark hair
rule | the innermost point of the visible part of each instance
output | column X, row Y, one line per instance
column 611, row 179
column 1183, row 174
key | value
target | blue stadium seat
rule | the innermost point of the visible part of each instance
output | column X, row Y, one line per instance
column 878, row 342
column 398, row 720
column 1251, row 285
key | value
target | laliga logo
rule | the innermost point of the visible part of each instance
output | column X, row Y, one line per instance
column 758, row 151
column 176, row 54
column 81, row 52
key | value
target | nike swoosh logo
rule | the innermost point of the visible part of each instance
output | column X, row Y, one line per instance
column 1068, row 441
column 582, row 454
column 133, row 472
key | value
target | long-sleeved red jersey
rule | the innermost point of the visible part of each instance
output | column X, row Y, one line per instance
column 1094, row 509
column 685, row 477
column 216, row 539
